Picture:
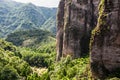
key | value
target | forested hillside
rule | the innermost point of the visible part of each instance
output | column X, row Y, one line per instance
column 25, row 63
column 11, row 64
column 29, row 38
column 16, row 16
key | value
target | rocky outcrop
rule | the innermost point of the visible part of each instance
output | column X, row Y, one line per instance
column 105, row 42
column 76, row 19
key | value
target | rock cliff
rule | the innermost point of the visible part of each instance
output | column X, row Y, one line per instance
column 60, row 28
column 76, row 19
column 105, row 42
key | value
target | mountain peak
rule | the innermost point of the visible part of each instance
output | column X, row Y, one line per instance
column 17, row 16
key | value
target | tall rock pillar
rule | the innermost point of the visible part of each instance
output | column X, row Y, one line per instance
column 105, row 41
column 76, row 19
column 60, row 29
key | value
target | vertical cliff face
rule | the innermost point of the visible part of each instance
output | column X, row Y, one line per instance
column 75, row 27
column 105, row 42
column 76, row 19
column 60, row 28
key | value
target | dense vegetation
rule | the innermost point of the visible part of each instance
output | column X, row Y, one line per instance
column 44, row 57
column 17, row 16
column 68, row 69
column 24, row 63
column 21, row 63
column 30, row 38
column 12, row 67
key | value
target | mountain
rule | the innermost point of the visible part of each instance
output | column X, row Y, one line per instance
column 50, row 24
column 16, row 16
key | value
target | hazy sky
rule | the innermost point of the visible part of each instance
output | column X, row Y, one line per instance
column 45, row 3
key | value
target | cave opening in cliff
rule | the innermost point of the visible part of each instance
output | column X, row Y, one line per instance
column 85, row 45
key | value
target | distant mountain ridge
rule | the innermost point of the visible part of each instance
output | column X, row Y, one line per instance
column 16, row 16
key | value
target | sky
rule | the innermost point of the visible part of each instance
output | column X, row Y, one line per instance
column 45, row 3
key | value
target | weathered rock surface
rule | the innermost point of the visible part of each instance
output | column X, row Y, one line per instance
column 60, row 28
column 76, row 19
column 105, row 42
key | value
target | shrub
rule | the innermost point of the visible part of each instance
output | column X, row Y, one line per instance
column 68, row 69
column 33, row 76
column 11, row 66
column 37, row 59
column 9, row 73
